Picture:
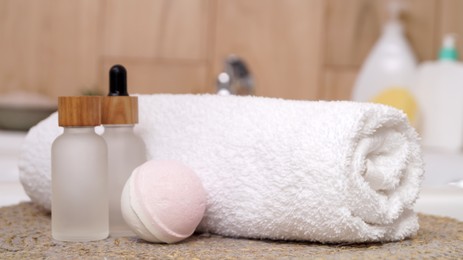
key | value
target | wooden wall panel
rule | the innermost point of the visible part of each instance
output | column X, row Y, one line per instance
column 420, row 22
column 280, row 40
column 72, row 52
column 163, row 43
column 132, row 28
column 168, row 29
column 145, row 77
column 48, row 46
column 338, row 83
column 185, row 30
column 20, row 22
column 352, row 27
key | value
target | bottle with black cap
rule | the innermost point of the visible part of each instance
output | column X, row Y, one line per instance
column 79, row 165
column 126, row 151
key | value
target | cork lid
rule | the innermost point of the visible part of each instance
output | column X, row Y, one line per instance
column 118, row 108
column 79, row 111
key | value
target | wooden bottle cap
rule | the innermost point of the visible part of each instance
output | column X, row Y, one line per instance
column 79, row 111
column 119, row 110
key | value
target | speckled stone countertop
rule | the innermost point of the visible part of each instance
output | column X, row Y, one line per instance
column 25, row 234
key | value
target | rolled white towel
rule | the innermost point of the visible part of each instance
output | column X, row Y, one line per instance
column 278, row 169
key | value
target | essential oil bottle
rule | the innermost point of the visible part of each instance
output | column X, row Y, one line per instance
column 126, row 150
column 79, row 173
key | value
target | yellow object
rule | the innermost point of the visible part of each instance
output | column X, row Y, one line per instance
column 399, row 98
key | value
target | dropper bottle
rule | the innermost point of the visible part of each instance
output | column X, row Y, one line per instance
column 126, row 151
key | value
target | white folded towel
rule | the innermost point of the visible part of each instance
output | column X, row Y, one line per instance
column 278, row 169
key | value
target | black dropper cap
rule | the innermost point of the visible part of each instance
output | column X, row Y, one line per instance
column 118, row 108
column 118, row 81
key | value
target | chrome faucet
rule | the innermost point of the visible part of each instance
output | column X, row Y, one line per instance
column 235, row 79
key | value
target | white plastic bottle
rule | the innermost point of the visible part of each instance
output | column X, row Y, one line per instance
column 388, row 72
column 79, row 173
column 439, row 91
column 126, row 151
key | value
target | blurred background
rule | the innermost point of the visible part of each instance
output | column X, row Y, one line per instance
column 297, row 49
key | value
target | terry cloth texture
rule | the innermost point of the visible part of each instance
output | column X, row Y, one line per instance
column 276, row 169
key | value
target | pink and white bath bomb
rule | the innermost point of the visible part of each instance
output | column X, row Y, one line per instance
column 163, row 201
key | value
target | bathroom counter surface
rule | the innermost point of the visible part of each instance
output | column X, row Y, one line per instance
column 25, row 234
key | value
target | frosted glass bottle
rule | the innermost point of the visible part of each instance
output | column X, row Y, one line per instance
column 126, row 151
column 79, row 173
